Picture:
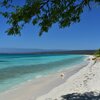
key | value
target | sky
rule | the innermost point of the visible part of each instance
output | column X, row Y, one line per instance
column 79, row 36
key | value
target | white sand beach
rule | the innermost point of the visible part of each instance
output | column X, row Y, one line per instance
column 76, row 79
column 86, row 80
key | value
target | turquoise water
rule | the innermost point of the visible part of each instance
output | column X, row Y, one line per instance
column 15, row 69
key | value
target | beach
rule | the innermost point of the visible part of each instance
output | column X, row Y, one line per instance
column 87, row 80
column 50, row 50
column 34, row 89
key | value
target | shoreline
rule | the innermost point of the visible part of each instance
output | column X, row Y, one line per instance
column 43, row 76
column 31, row 89
column 84, row 81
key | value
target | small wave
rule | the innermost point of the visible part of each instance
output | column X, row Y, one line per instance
column 39, row 76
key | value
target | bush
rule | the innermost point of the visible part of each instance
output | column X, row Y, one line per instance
column 97, row 53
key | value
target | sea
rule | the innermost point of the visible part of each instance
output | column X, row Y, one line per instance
column 18, row 68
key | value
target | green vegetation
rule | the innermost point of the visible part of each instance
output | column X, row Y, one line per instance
column 43, row 13
column 97, row 53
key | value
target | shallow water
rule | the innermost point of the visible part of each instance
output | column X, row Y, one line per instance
column 15, row 69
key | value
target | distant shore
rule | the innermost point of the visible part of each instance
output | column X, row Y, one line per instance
column 18, row 51
column 35, row 88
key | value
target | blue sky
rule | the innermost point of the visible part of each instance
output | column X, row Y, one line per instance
column 83, row 35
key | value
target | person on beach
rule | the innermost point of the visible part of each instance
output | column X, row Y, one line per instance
column 62, row 75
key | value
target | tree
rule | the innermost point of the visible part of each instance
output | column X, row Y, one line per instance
column 44, row 13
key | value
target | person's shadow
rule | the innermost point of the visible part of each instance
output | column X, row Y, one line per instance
column 84, row 96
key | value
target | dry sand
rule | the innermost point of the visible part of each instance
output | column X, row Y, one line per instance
column 86, row 80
